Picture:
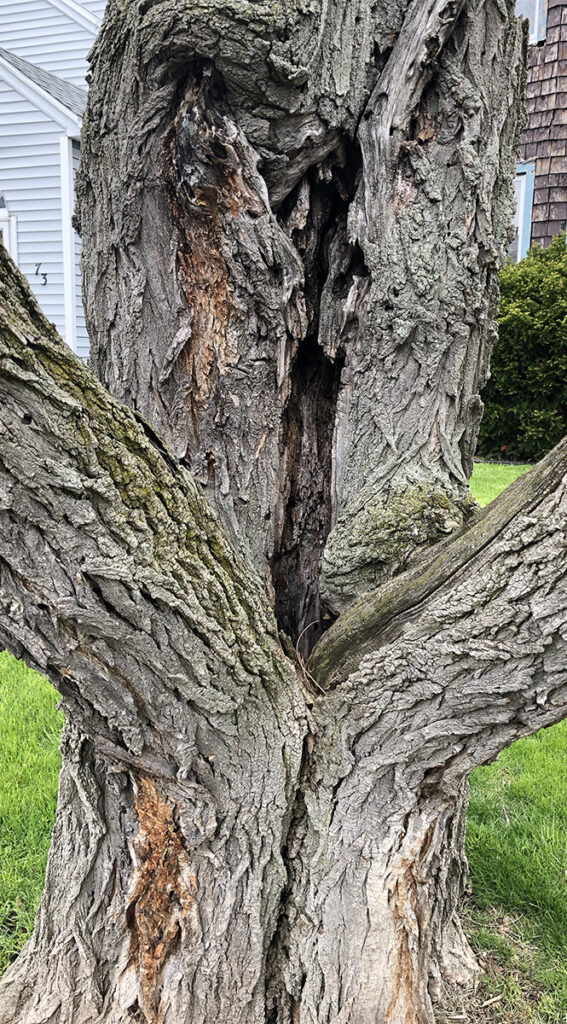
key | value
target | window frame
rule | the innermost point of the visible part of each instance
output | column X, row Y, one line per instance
column 9, row 232
column 538, row 31
column 526, row 171
column 541, row 28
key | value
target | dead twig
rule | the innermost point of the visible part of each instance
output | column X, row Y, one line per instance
column 490, row 1002
column 302, row 663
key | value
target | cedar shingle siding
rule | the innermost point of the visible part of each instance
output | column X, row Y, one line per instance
column 545, row 137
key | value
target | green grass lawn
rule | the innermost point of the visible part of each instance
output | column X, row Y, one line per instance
column 489, row 479
column 30, row 727
column 516, row 843
column 517, row 850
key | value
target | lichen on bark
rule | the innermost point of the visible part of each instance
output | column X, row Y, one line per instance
column 376, row 539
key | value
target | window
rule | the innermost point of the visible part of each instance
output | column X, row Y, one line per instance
column 8, row 231
column 535, row 12
column 524, row 189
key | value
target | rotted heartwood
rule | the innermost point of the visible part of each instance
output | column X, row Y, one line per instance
column 244, row 549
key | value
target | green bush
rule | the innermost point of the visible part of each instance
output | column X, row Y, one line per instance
column 526, row 398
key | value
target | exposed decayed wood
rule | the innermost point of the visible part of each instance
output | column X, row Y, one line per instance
column 163, row 899
column 292, row 219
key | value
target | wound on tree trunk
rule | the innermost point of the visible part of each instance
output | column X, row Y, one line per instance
column 282, row 631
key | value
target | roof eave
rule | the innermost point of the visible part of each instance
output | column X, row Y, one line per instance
column 57, row 111
column 79, row 14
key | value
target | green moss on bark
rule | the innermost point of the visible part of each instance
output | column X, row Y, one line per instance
column 367, row 548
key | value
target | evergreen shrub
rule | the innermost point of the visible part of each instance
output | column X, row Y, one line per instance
column 526, row 397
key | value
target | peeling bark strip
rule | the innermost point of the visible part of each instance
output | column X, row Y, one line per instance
column 292, row 219
column 164, row 898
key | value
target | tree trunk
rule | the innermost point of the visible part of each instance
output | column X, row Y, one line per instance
column 306, row 207
column 292, row 218
column 429, row 678
column 228, row 845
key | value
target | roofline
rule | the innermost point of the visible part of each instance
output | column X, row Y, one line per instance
column 85, row 18
column 58, row 112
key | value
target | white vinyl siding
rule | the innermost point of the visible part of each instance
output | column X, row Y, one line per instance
column 95, row 7
column 38, row 160
column 81, row 336
column 46, row 36
column 30, row 182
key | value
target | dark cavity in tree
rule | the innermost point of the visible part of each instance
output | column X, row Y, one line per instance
column 315, row 217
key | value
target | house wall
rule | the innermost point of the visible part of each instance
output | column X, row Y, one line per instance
column 545, row 137
column 96, row 7
column 32, row 148
column 81, row 336
column 30, row 182
column 45, row 35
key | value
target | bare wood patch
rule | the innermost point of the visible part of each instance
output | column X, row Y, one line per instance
column 163, row 899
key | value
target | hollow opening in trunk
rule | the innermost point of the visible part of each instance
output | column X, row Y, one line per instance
column 308, row 428
column 315, row 216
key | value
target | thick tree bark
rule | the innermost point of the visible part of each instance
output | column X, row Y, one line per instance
column 306, row 206
column 292, row 217
column 229, row 846
column 115, row 581
column 431, row 677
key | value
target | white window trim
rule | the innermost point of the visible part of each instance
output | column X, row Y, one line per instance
column 538, row 23
column 67, row 202
column 525, row 174
column 521, row 214
column 9, row 230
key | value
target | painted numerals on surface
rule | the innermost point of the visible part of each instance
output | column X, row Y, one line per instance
column 42, row 275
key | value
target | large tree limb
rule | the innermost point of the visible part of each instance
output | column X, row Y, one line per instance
column 383, row 612
column 430, row 677
column 116, row 582
column 431, row 215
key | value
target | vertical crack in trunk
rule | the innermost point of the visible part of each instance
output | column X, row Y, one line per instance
column 287, row 268
column 315, row 218
column 308, row 438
